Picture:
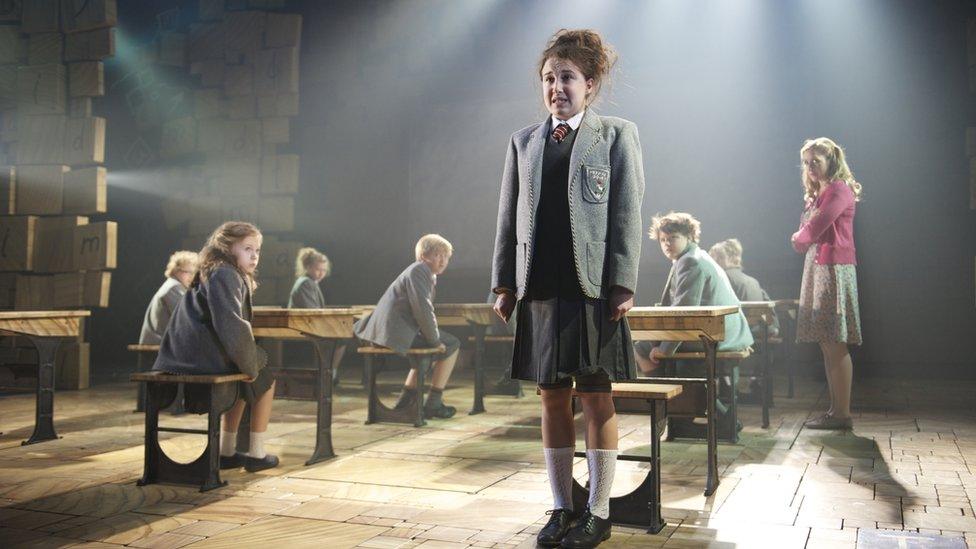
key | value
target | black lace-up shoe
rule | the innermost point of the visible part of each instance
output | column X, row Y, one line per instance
column 552, row 534
column 253, row 465
column 589, row 531
column 235, row 461
column 440, row 411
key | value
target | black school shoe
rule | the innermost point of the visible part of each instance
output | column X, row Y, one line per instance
column 552, row 534
column 439, row 411
column 407, row 399
column 589, row 531
column 235, row 461
column 253, row 465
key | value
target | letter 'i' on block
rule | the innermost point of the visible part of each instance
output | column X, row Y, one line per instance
column 41, row 89
column 17, row 237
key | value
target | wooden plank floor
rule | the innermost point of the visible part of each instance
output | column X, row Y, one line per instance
column 479, row 481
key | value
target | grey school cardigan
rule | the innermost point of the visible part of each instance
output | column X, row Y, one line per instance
column 605, row 190
column 306, row 294
column 160, row 310
column 211, row 330
column 407, row 307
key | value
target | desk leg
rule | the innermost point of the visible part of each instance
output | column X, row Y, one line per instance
column 711, row 350
column 47, row 350
column 767, row 384
column 141, row 394
column 324, row 351
column 479, row 369
column 658, row 411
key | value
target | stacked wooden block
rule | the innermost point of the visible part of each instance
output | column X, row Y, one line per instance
column 51, row 153
column 245, row 64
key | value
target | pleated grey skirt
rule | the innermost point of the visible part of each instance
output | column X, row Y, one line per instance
column 559, row 338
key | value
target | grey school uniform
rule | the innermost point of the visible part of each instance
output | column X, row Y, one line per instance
column 404, row 316
column 306, row 294
column 160, row 310
column 747, row 288
column 210, row 333
column 569, row 230
column 697, row 280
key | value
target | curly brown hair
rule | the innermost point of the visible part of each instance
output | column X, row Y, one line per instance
column 587, row 50
column 217, row 251
column 675, row 222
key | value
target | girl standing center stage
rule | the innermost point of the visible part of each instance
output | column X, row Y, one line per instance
column 566, row 254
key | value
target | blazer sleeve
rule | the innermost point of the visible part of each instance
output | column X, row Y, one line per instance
column 420, row 288
column 307, row 296
column 226, row 299
column 689, row 283
column 503, row 259
column 836, row 198
column 626, row 195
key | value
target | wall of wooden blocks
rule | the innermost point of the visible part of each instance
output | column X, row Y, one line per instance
column 52, row 147
column 244, row 61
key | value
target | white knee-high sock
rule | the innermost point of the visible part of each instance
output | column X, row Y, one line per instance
column 603, row 465
column 559, row 465
column 228, row 443
column 256, row 449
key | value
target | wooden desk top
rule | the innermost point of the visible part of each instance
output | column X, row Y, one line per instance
column 333, row 322
column 679, row 323
column 462, row 314
column 42, row 323
column 758, row 312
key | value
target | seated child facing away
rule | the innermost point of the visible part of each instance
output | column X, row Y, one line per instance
column 180, row 270
column 728, row 254
column 210, row 333
column 404, row 318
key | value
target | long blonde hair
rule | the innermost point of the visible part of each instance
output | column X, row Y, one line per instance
column 217, row 251
column 836, row 168
column 308, row 258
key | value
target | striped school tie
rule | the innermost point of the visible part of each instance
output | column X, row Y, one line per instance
column 560, row 132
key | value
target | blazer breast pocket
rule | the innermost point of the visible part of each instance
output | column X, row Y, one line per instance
column 596, row 183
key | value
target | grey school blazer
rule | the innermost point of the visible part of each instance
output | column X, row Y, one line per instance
column 306, row 294
column 606, row 187
column 406, row 307
column 160, row 309
column 210, row 333
column 696, row 279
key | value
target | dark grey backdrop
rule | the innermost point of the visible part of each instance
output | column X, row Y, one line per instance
column 407, row 107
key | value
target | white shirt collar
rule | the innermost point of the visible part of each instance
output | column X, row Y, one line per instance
column 574, row 122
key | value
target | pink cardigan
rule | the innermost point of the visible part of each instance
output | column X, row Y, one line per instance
column 831, row 226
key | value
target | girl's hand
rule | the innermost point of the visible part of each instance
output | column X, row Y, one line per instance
column 621, row 301
column 504, row 305
column 656, row 355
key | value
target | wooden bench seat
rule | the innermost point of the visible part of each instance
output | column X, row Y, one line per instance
column 161, row 389
column 142, row 348
column 494, row 339
column 721, row 355
column 420, row 359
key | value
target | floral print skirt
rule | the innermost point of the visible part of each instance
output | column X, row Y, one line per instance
column 828, row 309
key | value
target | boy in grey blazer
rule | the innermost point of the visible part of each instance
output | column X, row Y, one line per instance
column 404, row 319
column 695, row 279
column 179, row 274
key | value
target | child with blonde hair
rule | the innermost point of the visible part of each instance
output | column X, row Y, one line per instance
column 311, row 267
column 404, row 318
column 180, row 270
column 211, row 334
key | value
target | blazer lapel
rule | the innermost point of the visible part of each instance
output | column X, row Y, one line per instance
column 587, row 135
